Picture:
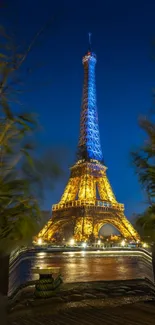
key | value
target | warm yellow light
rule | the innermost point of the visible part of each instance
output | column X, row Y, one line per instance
column 123, row 243
column 145, row 245
column 72, row 242
column 99, row 242
column 84, row 245
column 85, row 190
column 40, row 241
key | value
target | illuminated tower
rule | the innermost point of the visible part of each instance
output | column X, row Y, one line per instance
column 89, row 142
column 88, row 201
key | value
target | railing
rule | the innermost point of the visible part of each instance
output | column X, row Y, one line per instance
column 17, row 252
column 95, row 203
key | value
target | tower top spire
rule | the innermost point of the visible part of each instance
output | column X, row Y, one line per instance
column 89, row 35
column 89, row 147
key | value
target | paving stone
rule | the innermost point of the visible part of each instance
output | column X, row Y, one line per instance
column 75, row 291
column 101, row 295
column 56, row 299
column 121, row 290
column 139, row 291
column 102, row 290
column 40, row 302
column 75, row 297
column 66, row 298
column 89, row 296
column 115, row 294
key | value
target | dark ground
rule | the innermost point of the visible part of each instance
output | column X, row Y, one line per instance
column 130, row 314
column 108, row 303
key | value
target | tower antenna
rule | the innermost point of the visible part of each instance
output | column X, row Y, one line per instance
column 89, row 34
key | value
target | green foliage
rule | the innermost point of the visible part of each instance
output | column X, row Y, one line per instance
column 144, row 160
column 22, row 175
column 144, row 163
column 145, row 224
column 19, row 207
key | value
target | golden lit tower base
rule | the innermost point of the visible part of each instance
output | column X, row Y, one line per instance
column 88, row 201
column 87, row 204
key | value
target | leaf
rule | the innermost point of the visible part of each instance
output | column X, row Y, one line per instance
column 6, row 109
column 29, row 158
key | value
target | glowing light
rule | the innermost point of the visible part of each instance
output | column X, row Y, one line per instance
column 71, row 254
column 41, row 254
column 89, row 142
column 72, row 242
column 84, row 245
column 99, row 242
column 40, row 241
column 145, row 245
column 88, row 185
column 123, row 243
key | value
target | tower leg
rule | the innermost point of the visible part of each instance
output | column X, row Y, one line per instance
column 83, row 228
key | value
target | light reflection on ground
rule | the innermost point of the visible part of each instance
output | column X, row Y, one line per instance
column 82, row 266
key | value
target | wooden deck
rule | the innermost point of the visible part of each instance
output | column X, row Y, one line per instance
column 131, row 314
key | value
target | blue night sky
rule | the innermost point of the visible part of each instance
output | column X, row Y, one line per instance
column 122, row 35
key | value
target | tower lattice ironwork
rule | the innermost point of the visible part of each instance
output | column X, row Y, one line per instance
column 88, row 201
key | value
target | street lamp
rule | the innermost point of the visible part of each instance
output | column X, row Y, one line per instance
column 72, row 242
column 99, row 242
column 123, row 243
column 40, row 241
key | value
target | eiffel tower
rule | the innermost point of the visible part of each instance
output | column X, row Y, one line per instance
column 88, row 201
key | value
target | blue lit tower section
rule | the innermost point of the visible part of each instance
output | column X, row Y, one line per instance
column 89, row 146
